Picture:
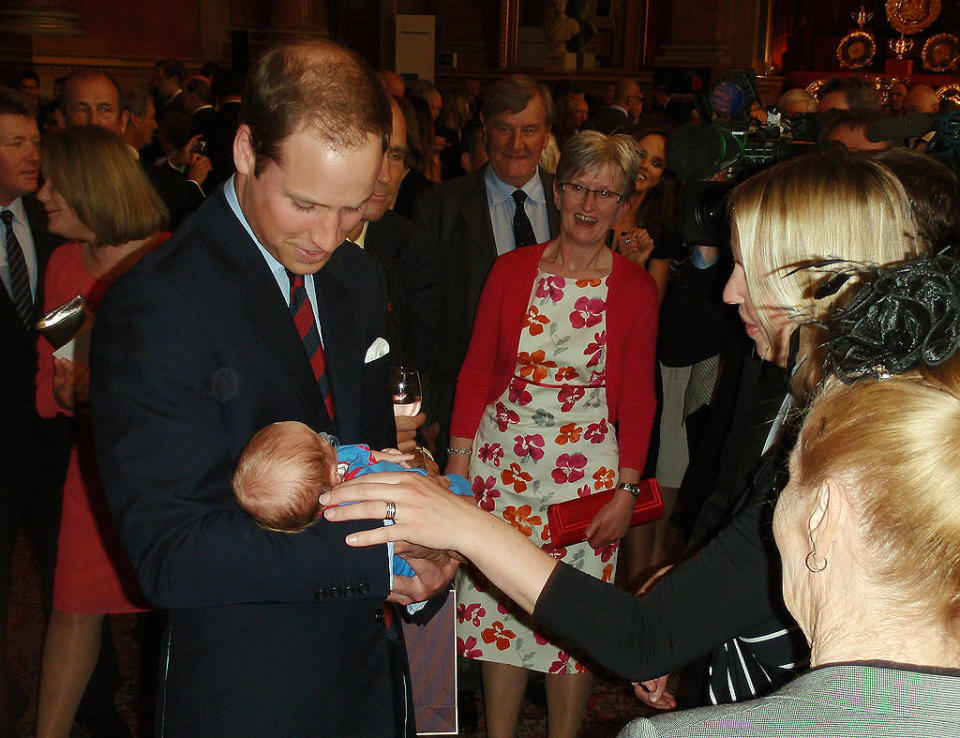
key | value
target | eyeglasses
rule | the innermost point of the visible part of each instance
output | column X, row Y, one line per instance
column 579, row 193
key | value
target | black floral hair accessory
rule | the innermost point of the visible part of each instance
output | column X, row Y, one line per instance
column 904, row 316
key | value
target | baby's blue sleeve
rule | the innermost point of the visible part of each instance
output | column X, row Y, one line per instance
column 460, row 485
column 360, row 462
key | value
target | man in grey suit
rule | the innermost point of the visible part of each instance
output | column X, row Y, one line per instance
column 473, row 219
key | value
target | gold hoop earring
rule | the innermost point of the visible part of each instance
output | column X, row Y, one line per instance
column 811, row 562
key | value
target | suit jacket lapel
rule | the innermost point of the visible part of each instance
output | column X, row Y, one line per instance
column 342, row 344
column 263, row 305
column 476, row 212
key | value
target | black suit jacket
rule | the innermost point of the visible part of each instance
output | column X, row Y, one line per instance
column 194, row 350
column 180, row 196
column 33, row 450
column 18, row 367
column 456, row 217
column 401, row 247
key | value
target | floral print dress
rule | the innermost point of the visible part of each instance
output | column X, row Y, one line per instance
column 546, row 439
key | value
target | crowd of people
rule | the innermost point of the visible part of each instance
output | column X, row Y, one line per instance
column 255, row 255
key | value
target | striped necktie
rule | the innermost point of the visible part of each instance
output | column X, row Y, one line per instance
column 310, row 335
column 19, row 277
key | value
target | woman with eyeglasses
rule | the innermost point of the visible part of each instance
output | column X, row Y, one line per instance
column 555, row 401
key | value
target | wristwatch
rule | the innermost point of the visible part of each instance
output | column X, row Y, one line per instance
column 633, row 489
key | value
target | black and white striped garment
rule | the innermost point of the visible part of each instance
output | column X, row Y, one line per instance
column 747, row 667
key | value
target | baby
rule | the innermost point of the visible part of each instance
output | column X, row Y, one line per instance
column 286, row 466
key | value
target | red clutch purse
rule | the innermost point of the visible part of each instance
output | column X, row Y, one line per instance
column 569, row 520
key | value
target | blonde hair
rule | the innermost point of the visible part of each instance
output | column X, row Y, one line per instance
column 281, row 474
column 827, row 205
column 899, row 438
column 97, row 174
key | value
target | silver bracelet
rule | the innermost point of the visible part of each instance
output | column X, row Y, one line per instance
column 461, row 451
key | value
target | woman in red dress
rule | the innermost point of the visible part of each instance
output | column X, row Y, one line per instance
column 97, row 195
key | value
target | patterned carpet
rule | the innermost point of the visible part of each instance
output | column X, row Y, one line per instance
column 611, row 705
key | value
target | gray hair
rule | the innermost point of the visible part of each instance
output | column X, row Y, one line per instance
column 512, row 94
column 590, row 150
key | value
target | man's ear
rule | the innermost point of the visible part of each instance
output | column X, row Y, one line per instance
column 244, row 157
column 124, row 121
column 546, row 140
column 60, row 118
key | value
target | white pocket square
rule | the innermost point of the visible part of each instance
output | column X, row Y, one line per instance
column 378, row 348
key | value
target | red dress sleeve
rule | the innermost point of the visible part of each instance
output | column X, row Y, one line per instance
column 637, row 401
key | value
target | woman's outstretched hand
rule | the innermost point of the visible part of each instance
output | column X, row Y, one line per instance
column 654, row 693
column 426, row 512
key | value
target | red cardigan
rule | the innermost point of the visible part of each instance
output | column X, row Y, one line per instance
column 491, row 359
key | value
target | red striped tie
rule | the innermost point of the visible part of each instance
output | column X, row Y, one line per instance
column 310, row 335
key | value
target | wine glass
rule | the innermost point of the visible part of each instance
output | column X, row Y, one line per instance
column 405, row 388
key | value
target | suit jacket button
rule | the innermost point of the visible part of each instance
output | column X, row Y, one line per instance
column 379, row 616
column 322, row 593
column 335, row 591
column 363, row 588
column 348, row 591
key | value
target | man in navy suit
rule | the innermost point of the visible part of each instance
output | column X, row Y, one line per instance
column 203, row 343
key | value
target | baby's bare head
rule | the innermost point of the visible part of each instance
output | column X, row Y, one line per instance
column 281, row 474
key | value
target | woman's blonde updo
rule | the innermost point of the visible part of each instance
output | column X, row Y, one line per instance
column 822, row 206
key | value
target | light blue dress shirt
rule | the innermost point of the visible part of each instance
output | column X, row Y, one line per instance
column 21, row 227
column 503, row 206
column 277, row 269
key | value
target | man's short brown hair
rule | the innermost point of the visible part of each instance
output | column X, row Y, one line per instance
column 316, row 86
column 512, row 94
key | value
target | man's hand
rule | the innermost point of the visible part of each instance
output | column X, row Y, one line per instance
column 407, row 431
column 198, row 168
column 435, row 570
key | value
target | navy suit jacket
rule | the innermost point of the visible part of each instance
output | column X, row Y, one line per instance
column 194, row 350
